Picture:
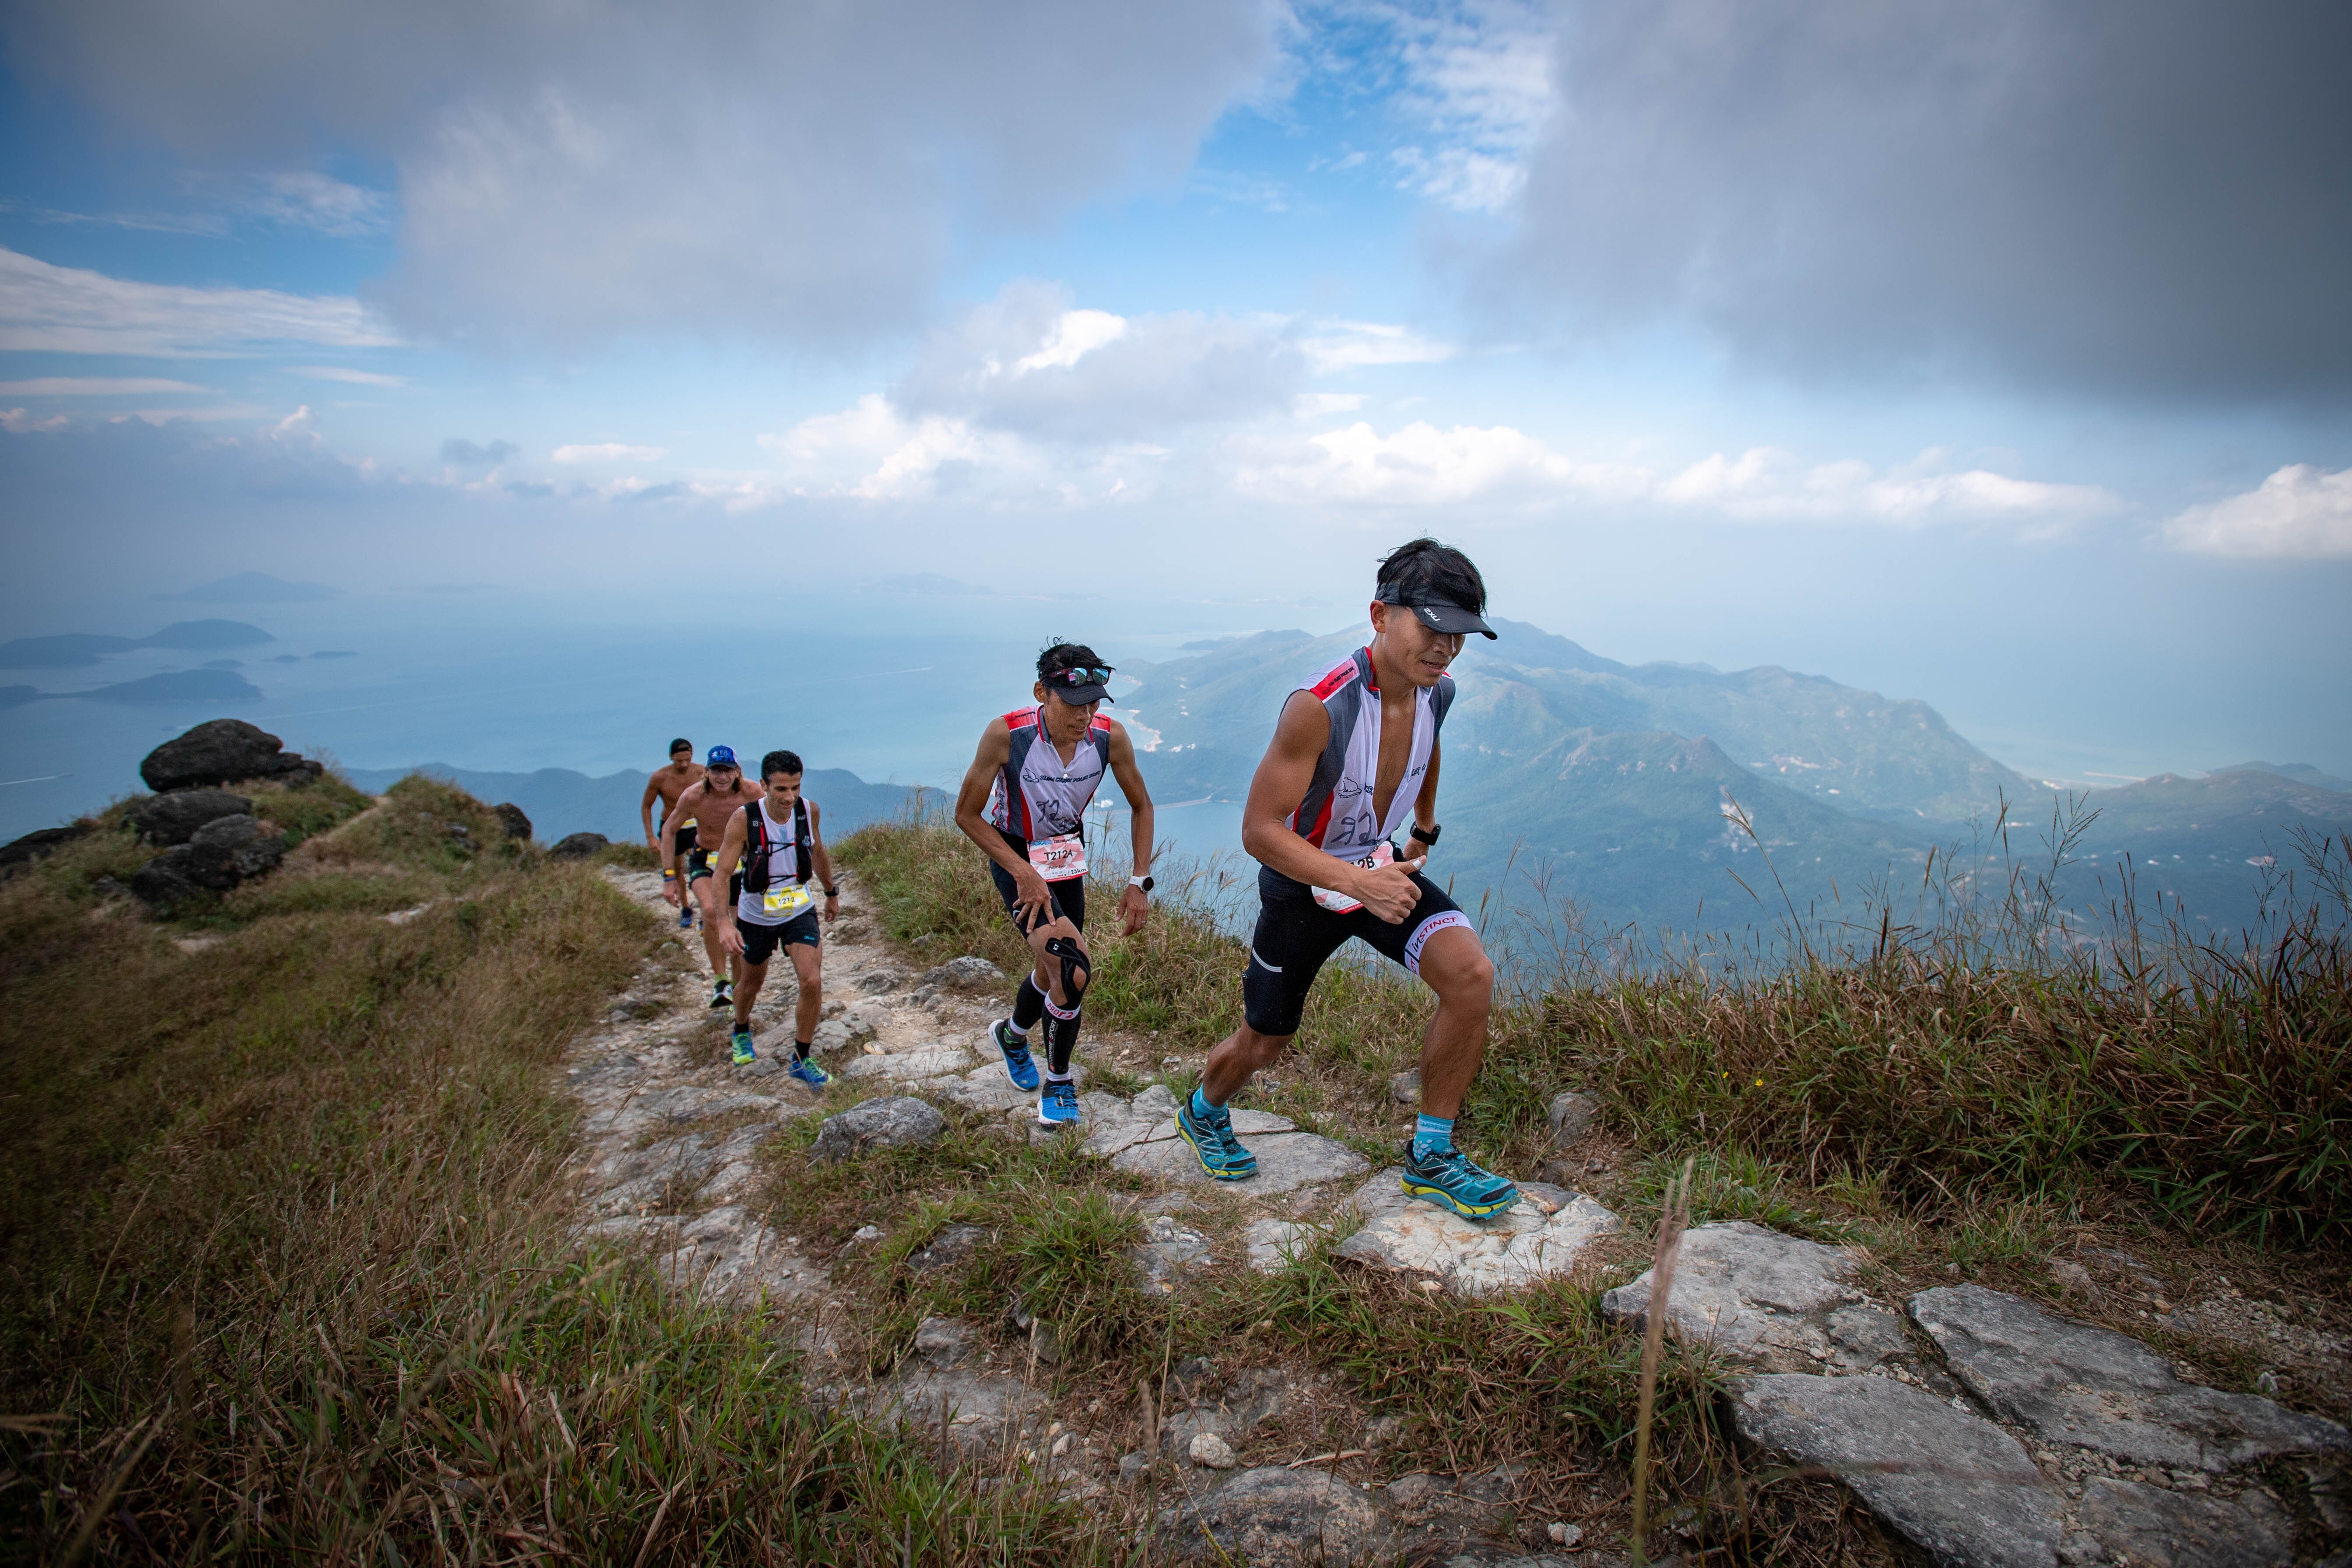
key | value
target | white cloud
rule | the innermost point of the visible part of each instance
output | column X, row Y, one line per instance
column 19, row 422
column 607, row 452
column 2299, row 511
column 302, row 198
column 1765, row 484
column 68, row 309
column 1421, row 465
column 1030, row 363
column 1315, row 404
column 95, row 387
column 338, row 372
column 587, row 169
column 1348, row 345
column 1476, row 94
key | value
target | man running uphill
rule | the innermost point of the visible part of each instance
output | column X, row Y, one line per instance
column 666, row 785
column 1353, row 755
column 1023, row 802
column 781, row 841
column 722, row 793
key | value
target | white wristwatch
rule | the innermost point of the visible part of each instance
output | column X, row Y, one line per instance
column 1142, row 882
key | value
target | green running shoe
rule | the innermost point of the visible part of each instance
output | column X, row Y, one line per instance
column 1451, row 1178
column 743, row 1051
column 1213, row 1144
column 806, row 1069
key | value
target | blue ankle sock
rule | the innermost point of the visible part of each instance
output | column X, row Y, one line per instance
column 1432, row 1135
column 1202, row 1111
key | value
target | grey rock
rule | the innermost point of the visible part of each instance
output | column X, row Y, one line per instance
column 1861, row 1337
column 890, row 1124
column 1276, row 1244
column 512, row 820
column 963, row 973
column 2152, row 1528
column 839, row 1034
column 955, row 1244
column 1156, row 1102
column 1405, row 1087
column 1168, row 1252
column 759, row 1067
column 232, row 849
column 943, row 1342
column 19, row 853
column 173, row 818
column 880, row 981
column 1045, row 1344
column 1952, row 1484
column 978, row 1411
column 1276, row 1518
column 1287, row 1158
column 166, row 881
column 1134, row 1467
column 1210, row 1452
column 1760, row 1298
column 222, row 751
column 1250, row 1399
column 1536, row 1238
column 1571, row 1116
column 909, row 1067
column 726, row 1254
column 2075, row 1383
column 578, row 846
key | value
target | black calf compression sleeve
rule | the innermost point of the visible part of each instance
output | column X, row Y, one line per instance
column 1029, row 1005
column 1062, row 1038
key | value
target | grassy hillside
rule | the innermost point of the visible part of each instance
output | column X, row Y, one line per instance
column 291, row 1270
column 561, row 801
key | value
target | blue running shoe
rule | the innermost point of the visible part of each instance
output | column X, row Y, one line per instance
column 1214, row 1145
column 743, row 1051
column 806, row 1069
column 1058, row 1106
column 686, row 918
column 1018, row 1065
column 1451, row 1178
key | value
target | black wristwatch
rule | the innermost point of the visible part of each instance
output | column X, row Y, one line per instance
column 1428, row 837
column 833, row 893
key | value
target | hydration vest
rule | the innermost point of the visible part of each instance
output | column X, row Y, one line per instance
column 757, row 847
column 1034, row 796
column 1336, row 815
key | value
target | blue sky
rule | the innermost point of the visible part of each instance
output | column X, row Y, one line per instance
column 1997, row 355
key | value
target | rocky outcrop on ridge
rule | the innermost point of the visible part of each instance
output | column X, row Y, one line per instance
column 224, row 751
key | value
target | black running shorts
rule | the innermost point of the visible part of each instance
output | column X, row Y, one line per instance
column 1295, row 935
column 681, row 843
column 698, row 865
column 1069, row 898
column 760, row 941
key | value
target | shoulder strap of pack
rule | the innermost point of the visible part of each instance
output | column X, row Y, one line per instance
column 804, row 861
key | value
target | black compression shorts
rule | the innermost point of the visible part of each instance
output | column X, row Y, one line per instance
column 1067, row 898
column 760, row 941
column 1296, row 936
column 698, row 865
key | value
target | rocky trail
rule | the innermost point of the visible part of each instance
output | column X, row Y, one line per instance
column 1976, row 1427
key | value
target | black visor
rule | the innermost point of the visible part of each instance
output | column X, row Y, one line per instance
column 1438, row 615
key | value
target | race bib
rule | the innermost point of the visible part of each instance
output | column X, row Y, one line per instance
column 783, row 903
column 1059, row 859
column 1341, row 903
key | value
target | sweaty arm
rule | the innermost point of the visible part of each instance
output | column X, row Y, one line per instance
column 666, row 844
column 1031, row 895
column 1275, row 790
column 730, row 849
column 645, row 806
column 1133, row 903
column 824, row 862
column 1425, row 805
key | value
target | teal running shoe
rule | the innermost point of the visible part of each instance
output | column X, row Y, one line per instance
column 806, row 1069
column 1213, row 1144
column 1019, row 1066
column 1451, row 1178
column 743, row 1051
column 1058, row 1106
column 722, row 994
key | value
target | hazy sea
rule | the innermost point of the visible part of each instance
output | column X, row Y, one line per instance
column 897, row 691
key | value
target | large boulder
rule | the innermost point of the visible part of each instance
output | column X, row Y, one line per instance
column 221, row 750
column 1546, row 1234
column 174, row 817
column 19, row 853
column 1278, row 1518
column 216, row 857
column 1951, row 1483
column 512, row 818
column 888, row 1123
column 2077, row 1383
column 1768, row 1302
column 579, row 846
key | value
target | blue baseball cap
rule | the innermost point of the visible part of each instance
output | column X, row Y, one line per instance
column 721, row 756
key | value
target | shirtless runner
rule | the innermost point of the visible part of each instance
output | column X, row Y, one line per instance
column 1023, row 802
column 721, row 793
column 1354, row 754
column 666, row 786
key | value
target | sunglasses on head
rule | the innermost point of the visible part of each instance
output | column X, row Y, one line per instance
column 1081, row 674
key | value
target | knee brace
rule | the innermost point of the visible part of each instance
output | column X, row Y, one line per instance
column 1075, row 968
